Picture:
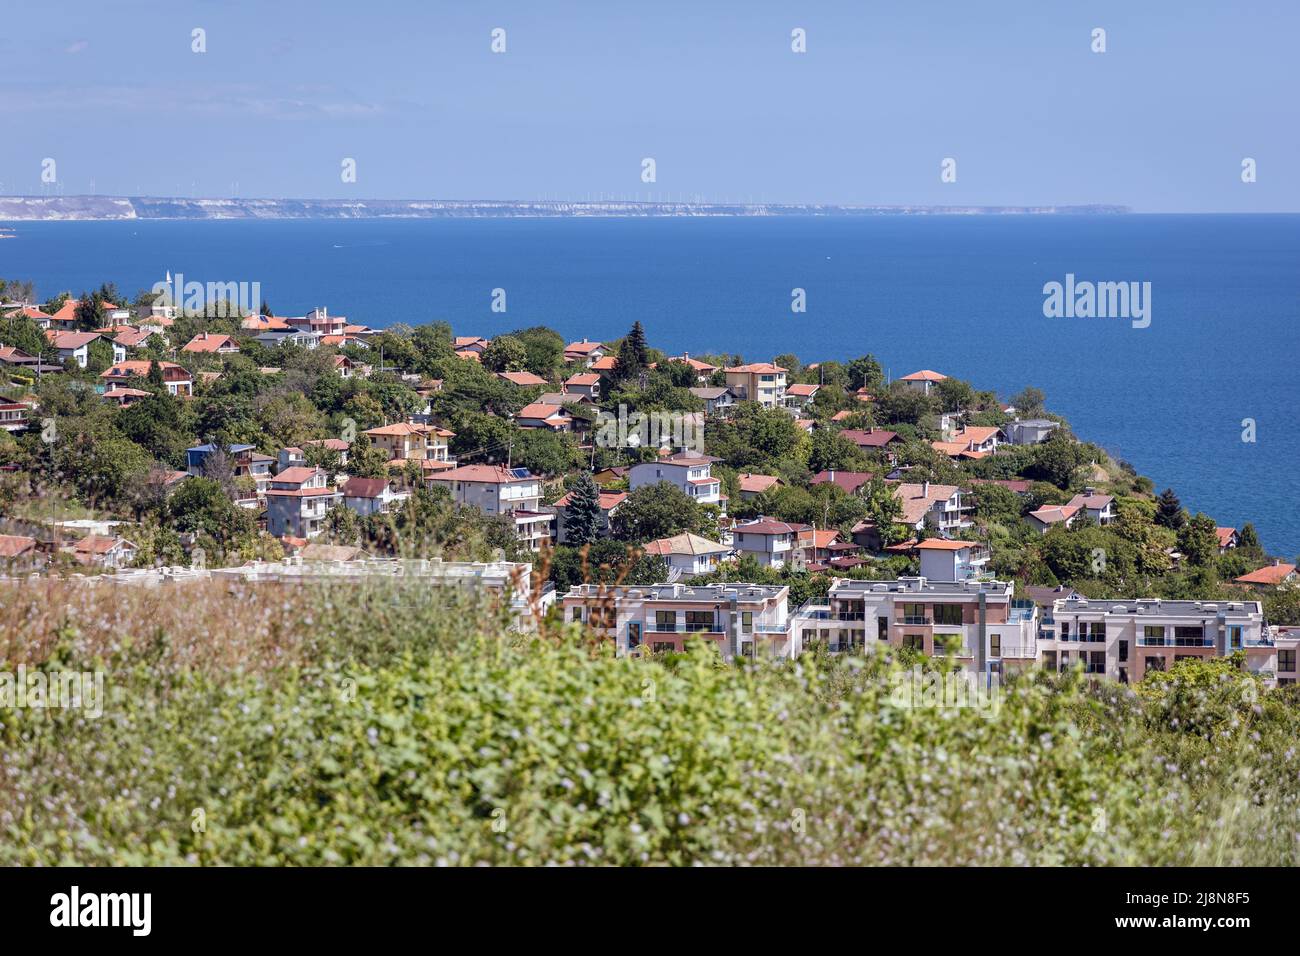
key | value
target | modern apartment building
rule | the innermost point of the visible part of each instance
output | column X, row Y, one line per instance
column 741, row 619
column 977, row 623
column 984, row 628
column 1123, row 639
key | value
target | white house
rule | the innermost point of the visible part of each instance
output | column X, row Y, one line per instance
column 499, row 491
column 771, row 543
column 945, row 560
column 688, row 553
column 690, row 472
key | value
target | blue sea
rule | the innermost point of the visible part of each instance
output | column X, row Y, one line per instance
column 959, row 294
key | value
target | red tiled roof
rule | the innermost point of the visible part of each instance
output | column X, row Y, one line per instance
column 207, row 342
column 870, row 437
column 542, row 411
column 70, row 340
column 757, row 483
column 296, row 475
column 364, row 487
column 925, row 375
column 1269, row 574
column 850, row 481
column 486, row 474
column 943, row 544
column 525, row 379
column 608, row 499
column 769, row 526
column 13, row 545
column 758, row 368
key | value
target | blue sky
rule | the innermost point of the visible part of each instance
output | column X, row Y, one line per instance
column 712, row 91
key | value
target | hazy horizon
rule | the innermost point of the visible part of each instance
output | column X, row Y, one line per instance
column 283, row 95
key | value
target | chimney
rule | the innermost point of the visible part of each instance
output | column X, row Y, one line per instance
column 925, row 489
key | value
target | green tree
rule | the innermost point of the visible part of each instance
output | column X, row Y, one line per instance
column 657, row 511
column 1169, row 510
column 1248, row 538
column 865, row 372
column 1030, row 403
column 831, row 450
column 582, row 517
column 201, row 506
column 633, row 355
column 89, row 314
column 1198, row 541
column 505, row 354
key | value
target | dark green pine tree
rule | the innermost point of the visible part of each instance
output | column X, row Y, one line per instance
column 1169, row 510
column 633, row 355
column 157, row 383
column 89, row 313
column 582, row 516
column 1248, row 538
column 266, row 309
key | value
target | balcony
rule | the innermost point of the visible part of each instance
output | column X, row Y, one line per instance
column 654, row 627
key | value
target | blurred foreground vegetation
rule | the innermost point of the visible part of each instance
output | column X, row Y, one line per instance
column 379, row 726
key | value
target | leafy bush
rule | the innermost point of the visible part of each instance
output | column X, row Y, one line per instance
column 383, row 725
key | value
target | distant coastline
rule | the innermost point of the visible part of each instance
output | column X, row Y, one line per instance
column 90, row 208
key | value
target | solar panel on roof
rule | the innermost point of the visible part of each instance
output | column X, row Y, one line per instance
column 519, row 472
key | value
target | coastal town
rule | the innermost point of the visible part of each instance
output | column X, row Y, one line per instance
column 767, row 506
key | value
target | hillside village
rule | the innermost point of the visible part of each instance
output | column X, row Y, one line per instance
column 763, row 504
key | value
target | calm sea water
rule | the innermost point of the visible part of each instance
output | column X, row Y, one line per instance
column 962, row 295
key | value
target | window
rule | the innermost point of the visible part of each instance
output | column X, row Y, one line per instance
column 1155, row 663
column 747, row 621
column 1189, row 636
column 1065, row 661
column 1049, row 660
column 699, row 620
column 995, row 645
column 1285, row 681
column 1096, row 632
column 1286, row 660
column 634, row 634
column 1153, row 634
column 1123, row 651
column 1065, row 630
column 1234, row 637
column 665, row 620
column 882, row 628
column 915, row 641
column 913, row 613
column 947, row 614
column 1123, row 675
column 663, row 647
column 1097, row 662
column 577, row 614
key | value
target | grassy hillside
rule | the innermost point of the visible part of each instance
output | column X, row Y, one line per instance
column 288, row 727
